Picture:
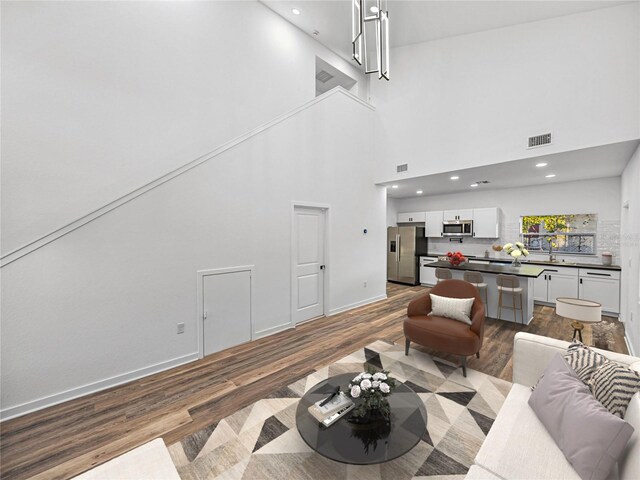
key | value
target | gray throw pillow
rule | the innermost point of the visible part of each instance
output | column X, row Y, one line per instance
column 591, row 438
column 614, row 385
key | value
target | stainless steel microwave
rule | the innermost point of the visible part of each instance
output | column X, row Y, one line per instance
column 457, row 228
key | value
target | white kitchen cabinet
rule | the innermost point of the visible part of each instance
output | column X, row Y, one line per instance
column 464, row 214
column 602, row 286
column 411, row 217
column 428, row 274
column 433, row 224
column 540, row 288
column 560, row 285
column 486, row 222
column 556, row 282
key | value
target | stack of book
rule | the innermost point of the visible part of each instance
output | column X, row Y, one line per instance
column 328, row 412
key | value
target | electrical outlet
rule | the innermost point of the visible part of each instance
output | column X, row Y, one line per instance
column 365, row 284
column 181, row 327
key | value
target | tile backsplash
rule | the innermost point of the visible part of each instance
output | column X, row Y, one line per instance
column 607, row 240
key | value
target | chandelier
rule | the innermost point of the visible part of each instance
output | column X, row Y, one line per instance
column 370, row 36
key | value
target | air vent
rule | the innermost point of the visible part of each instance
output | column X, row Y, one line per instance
column 540, row 140
column 323, row 76
column 402, row 168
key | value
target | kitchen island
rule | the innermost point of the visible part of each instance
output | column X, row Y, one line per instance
column 526, row 273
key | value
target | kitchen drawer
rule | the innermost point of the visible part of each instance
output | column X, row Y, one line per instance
column 425, row 260
column 573, row 272
column 597, row 273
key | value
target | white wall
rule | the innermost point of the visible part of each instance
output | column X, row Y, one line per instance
column 474, row 100
column 99, row 98
column 630, row 246
column 103, row 302
column 600, row 196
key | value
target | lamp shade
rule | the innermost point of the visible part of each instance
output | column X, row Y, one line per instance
column 578, row 309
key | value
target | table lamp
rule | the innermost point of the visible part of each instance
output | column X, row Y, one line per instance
column 580, row 311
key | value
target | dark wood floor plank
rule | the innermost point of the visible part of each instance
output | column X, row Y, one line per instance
column 67, row 439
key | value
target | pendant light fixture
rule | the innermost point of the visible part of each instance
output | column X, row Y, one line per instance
column 370, row 36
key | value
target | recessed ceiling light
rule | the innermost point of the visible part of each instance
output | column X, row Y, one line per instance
column 419, row 192
column 455, row 177
column 295, row 11
column 551, row 175
column 541, row 164
column 473, row 185
column 374, row 9
column 394, row 186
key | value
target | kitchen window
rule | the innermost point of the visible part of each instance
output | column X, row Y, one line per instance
column 571, row 234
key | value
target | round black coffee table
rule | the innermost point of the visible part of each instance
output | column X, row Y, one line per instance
column 363, row 444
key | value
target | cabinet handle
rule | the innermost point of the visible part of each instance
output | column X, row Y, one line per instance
column 549, row 277
column 580, row 280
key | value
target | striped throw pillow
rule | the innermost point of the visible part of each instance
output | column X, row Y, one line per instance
column 583, row 360
column 614, row 386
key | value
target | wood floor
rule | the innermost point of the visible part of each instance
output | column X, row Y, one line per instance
column 67, row 439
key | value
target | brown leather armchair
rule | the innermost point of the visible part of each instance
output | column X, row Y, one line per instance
column 444, row 334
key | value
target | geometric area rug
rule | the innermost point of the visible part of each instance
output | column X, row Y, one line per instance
column 261, row 441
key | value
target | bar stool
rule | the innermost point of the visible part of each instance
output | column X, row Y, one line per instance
column 510, row 284
column 443, row 274
column 477, row 280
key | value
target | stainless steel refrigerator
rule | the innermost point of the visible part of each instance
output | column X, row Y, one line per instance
column 404, row 246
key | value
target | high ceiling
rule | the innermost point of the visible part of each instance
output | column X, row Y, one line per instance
column 596, row 162
column 415, row 21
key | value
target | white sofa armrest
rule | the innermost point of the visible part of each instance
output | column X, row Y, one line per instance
column 532, row 353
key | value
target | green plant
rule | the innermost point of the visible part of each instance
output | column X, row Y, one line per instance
column 550, row 223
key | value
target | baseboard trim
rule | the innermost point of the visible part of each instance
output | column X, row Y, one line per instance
column 272, row 330
column 56, row 398
column 632, row 351
column 344, row 308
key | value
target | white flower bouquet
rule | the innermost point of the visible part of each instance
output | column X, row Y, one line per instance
column 516, row 251
column 372, row 389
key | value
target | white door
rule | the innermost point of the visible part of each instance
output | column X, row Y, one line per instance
column 605, row 291
column 226, row 310
column 485, row 223
column 433, row 224
column 560, row 285
column 540, row 288
column 464, row 214
column 308, row 263
column 411, row 217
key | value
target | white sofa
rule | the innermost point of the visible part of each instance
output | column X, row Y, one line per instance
column 519, row 447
